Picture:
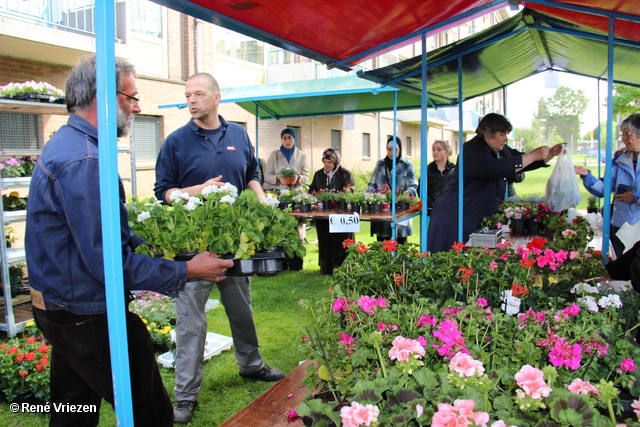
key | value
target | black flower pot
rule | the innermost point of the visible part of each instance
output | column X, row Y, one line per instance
column 184, row 257
column 305, row 207
column 532, row 226
column 355, row 207
column 342, row 206
column 402, row 205
column 283, row 205
column 366, row 207
column 376, row 207
column 517, row 226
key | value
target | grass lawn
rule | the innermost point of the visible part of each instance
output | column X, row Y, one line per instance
column 280, row 321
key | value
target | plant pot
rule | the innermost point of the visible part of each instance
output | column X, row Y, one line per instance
column 342, row 206
column 289, row 181
column 592, row 210
column 517, row 226
column 386, row 207
column 283, row 205
column 184, row 257
column 355, row 207
column 305, row 207
column 297, row 207
column 402, row 205
column 366, row 207
column 376, row 207
column 267, row 262
column 532, row 226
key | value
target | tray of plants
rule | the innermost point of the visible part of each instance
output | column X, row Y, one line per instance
column 263, row 263
column 214, row 345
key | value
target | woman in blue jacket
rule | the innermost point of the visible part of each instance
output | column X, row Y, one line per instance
column 625, row 181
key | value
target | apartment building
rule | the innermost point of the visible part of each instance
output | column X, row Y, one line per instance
column 42, row 40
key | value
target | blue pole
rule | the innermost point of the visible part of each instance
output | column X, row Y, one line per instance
column 394, row 167
column 110, row 210
column 424, row 129
column 606, row 229
column 460, row 152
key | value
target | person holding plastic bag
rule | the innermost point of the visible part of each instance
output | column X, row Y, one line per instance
column 488, row 163
column 625, row 181
column 563, row 190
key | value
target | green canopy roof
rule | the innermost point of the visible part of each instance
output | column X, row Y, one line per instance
column 313, row 98
column 523, row 45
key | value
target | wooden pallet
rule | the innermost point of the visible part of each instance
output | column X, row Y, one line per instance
column 271, row 408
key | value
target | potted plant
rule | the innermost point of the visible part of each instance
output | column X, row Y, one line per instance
column 375, row 199
column 354, row 197
column 16, row 167
column 403, row 200
column 32, row 91
column 216, row 221
column 324, row 198
column 13, row 202
column 304, row 200
column 285, row 198
column 592, row 204
column 289, row 176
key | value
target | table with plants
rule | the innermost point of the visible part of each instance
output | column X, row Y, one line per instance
column 530, row 335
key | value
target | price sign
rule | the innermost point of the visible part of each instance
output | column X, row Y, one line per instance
column 339, row 223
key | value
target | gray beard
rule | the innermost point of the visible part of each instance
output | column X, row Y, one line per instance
column 123, row 122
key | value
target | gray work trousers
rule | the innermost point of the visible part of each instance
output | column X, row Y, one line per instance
column 191, row 332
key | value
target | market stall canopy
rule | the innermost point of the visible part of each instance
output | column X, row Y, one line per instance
column 320, row 97
column 344, row 33
column 523, row 45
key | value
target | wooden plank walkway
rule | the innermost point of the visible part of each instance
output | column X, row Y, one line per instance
column 271, row 408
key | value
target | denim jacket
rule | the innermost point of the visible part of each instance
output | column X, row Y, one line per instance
column 63, row 238
column 622, row 172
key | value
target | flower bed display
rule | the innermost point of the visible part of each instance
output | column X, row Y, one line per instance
column 158, row 312
column 473, row 336
column 16, row 167
column 219, row 221
column 32, row 91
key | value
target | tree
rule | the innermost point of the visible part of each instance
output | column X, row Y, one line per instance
column 626, row 100
column 562, row 111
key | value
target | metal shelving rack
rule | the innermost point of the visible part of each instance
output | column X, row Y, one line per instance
column 16, row 317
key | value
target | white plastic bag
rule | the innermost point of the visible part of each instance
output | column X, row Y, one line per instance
column 563, row 189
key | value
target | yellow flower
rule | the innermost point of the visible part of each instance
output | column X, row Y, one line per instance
column 30, row 324
column 15, row 194
column 148, row 328
column 144, row 320
column 153, row 323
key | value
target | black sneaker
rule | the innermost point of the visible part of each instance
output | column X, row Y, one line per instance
column 265, row 374
column 183, row 411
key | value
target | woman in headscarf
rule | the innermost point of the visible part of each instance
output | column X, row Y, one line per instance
column 406, row 182
column 287, row 156
column 331, row 177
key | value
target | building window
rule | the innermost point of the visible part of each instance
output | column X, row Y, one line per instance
column 146, row 18
column 239, row 46
column 336, row 140
column 407, row 149
column 20, row 132
column 366, row 145
column 145, row 138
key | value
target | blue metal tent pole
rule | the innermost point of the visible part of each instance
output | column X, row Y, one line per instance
column 395, row 166
column 606, row 229
column 460, row 152
column 504, row 112
column 424, row 129
column 257, row 111
column 110, row 212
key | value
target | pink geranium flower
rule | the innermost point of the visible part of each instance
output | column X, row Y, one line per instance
column 359, row 415
column 579, row 386
column 458, row 414
column 465, row 365
column 531, row 380
column 636, row 407
column 404, row 348
column 628, row 365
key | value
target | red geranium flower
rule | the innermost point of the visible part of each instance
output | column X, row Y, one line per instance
column 537, row 242
column 518, row 290
column 361, row 249
column 389, row 245
column 347, row 242
column 457, row 246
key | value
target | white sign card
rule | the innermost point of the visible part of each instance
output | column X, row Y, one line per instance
column 343, row 223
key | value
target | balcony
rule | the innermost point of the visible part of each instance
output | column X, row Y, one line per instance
column 56, row 31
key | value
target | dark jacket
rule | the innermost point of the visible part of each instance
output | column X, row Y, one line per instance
column 63, row 239
column 341, row 179
column 436, row 180
column 485, row 181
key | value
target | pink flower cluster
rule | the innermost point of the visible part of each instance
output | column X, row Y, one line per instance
column 458, row 414
column 359, row 415
column 565, row 354
column 404, row 348
column 341, row 304
column 451, row 337
column 530, row 317
column 628, row 365
column 425, row 320
column 368, row 304
column 550, row 258
column 531, row 380
column 466, row 365
column 578, row 386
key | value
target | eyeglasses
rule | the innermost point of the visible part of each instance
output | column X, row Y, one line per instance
column 628, row 133
column 135, row 100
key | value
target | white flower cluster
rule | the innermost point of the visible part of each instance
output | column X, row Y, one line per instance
column 593, row 303
column 192, row 203
column 143, row 215
column 232, row 190
column 31, row 86
column 271, row 200
column 177, row 196
column 511, row 303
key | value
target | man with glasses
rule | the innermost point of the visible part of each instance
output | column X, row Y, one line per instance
column 209, row 151
column 63, row 243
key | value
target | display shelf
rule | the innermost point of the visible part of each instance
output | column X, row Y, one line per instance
column 15, row 182
column 14, row 216
column 14, row 106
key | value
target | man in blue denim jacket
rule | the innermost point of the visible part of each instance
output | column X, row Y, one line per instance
column 207, row 151
column 64, row 250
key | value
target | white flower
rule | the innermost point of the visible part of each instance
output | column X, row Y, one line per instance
column 610, row 300
column 229, row 188
column 192, row 203
column 271, row 201
column 583, row 287
column 177, row 196
column 590, row 302
column 154, row 203
column 228, row 199
column 512, row 304
column 143, row 215
column 208, row 190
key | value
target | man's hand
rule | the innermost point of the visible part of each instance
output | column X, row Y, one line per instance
column 581, row 170
column 207, row 266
